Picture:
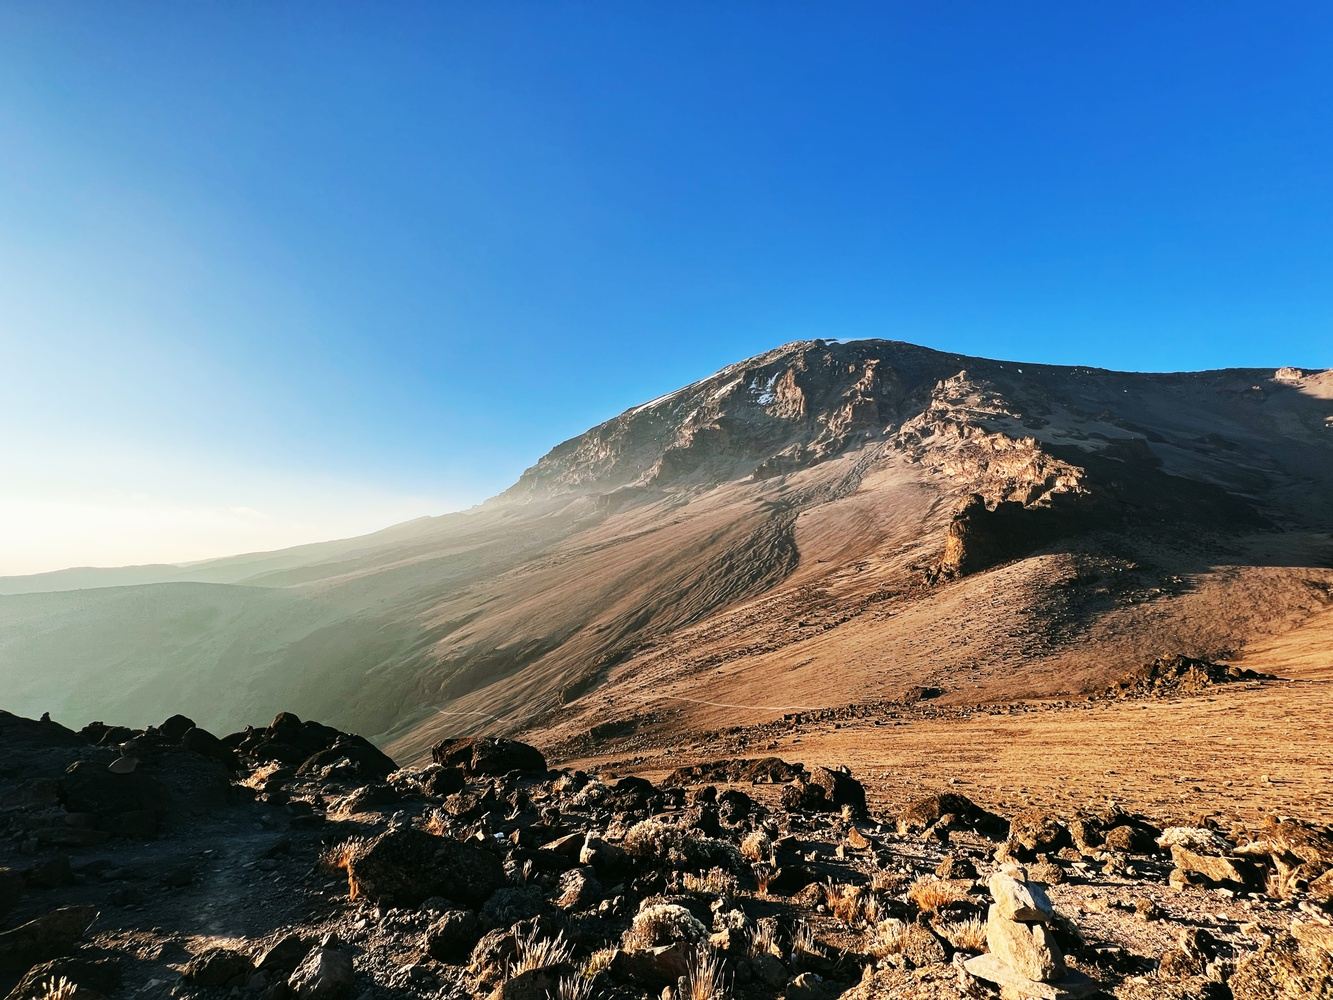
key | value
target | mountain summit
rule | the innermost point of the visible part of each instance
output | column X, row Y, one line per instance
column 841, row 521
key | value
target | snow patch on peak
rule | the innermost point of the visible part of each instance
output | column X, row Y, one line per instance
column 765, row 396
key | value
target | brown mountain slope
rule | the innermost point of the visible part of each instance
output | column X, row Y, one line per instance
column 824, row 524
column 1131, row 514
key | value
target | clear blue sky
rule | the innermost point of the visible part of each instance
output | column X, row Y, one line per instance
column 366, row 260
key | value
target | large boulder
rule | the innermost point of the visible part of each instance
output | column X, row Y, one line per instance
column 442, row 781
column 88, row 979
column 533, row 984
column 489, row 755
column 840, row 788
column 958, row 810
column 205, row 744
column 452, row 936
column 366, row 759
column 129, row 803
column 1283, row 969
column 1018, row 899
column 403, row 867
column 1027, row 948
column 286, row 740
column 48, row 936
column 1217, row 869
column 1034, row 831
column 804, row 796
column 175, row 727
column 1306, row 844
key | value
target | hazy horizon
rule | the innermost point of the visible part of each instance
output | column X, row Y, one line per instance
column 272, row 278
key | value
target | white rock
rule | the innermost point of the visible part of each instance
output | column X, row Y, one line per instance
column 1028, row 949
column 1023, row 901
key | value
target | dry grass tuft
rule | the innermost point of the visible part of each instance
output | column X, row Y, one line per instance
column 576, row 988
column 763, row 875
column 705, row 980
column 887, row 938
column 680, row 847
column 965, row 935
column 714, row 881
column 662, row 924
column 872, row 910
column 59, row 989
column 538, row 952
column 599, row 961
column 338, row 857
column 933, row 894
column 764, row 939
column 845, row 902
column 804, row 942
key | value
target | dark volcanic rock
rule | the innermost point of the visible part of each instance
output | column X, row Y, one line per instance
column 405, row 866
column 841, row 788
column 1283, row 970
column 309, row 747
column 204, row 743
column 324, row 974
column 804, row 796
column 443, row 781
column 765, row 770
column 281, row 958
column 1033, row 832
column 91, row 979
column 453, row 936
column 965, row 813
column 122, row 803
column 489, row 755
column 367, row 760
column 48, row 936
column 18, row 733
column 217, row 967
column 175, row 727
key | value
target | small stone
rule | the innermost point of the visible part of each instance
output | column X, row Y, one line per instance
column 808, row 986
column 1147, row 909
column 325, row 974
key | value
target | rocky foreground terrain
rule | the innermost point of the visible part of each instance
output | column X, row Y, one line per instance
column 297, row 861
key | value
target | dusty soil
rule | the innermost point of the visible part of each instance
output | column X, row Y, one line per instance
column 1247, row 753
